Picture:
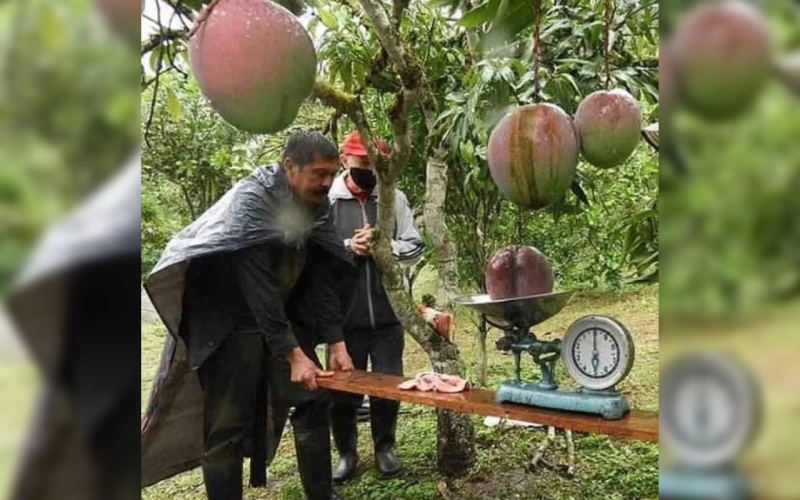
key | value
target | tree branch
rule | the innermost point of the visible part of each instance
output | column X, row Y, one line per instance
column 153, row 101
column 399, row 7
column 163, row 37
column 343, row 102
column 388, row 36
column 443, row 354
column 631, row 13
column 182, row 11
column 398, row 116
column 188, row 199
column 146, row 83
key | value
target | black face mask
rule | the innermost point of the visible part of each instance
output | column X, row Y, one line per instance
column 364, row 178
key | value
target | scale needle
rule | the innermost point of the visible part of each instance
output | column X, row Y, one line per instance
column 595, row 354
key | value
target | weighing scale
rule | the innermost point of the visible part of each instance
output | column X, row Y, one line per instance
column 597, row 352
column 650, row 134
column 709, row 413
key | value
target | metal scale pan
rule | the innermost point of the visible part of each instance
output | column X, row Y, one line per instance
column 521, row 312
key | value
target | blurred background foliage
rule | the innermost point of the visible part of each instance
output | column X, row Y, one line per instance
column 67, row 116
column 729, row 229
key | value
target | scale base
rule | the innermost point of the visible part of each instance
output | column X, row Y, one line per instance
column 686, row 484
column 610, row 405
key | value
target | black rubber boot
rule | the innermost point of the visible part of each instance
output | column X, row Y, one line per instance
column 388, row 464
column 384, row 427
column 313, row 462
column 346, row 469
column 223, row 475
column 230, row 382
column 345, row 435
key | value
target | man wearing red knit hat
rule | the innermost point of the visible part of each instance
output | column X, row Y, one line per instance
column 371, row 328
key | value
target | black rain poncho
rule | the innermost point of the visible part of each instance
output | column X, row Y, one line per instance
column 257, row 210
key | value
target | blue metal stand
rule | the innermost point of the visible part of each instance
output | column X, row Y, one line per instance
column 609, row 404
column 690, row 484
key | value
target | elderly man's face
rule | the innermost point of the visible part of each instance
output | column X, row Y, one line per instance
column 311, row 182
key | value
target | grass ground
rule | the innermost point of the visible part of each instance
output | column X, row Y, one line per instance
column 18, row 380
column 608, row 468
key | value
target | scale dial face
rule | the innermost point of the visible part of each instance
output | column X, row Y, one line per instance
column 597, row 352
column 709, row 408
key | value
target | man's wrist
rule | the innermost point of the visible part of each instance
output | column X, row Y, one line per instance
column 295, row 354
column 337, row 347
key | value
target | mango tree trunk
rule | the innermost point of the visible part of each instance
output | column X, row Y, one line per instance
column 437, row 230
column 481, row 361
column 456, row 434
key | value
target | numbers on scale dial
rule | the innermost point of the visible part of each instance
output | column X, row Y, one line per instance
column 596, row 353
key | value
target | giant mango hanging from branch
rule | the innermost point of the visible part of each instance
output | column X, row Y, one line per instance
column 533, row 154
column 609, row 124
column 609, row 121
column 254, row 62
column 533, row 151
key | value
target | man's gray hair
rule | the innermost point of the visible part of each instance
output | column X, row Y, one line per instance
column 307, row 146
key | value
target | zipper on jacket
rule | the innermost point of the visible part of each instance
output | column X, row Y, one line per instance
column 369, row 279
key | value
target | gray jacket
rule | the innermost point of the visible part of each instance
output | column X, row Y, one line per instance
column 364, row 297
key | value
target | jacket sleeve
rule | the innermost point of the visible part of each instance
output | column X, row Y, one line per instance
column 407, row 244
column 327, row 306
column 257, row 274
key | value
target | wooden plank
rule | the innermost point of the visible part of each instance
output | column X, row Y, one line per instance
column 638, row 424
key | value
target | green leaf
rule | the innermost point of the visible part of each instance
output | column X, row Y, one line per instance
column 346, row 72
column 360, row 73
column 507, row 25
column 487, row 74
column 328, row 19
column 506, row 74
column 154, row 58
column 174, row 106
column 555, row 26
column 442, row 3
column 572, row 61
column 480, row 15
column 334, row 70
column 51, row 28
column 195, row 4
column 579, row 192
column 652, row 92
column 571, row 79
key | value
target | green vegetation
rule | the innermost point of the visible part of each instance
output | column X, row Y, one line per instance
column 608, row 468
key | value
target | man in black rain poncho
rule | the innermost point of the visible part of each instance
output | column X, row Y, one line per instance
column 247, row 292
